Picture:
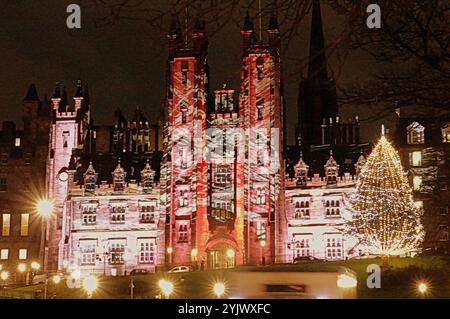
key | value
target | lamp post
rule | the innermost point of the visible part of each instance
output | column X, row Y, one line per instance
column 230, row 258
column 262, row 242
column 170, row 252
column 194, row 253
column 4, row 275
column 44, row 208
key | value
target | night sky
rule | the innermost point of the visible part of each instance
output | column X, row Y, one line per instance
column 124, row 67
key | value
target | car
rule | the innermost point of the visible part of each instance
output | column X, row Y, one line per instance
column 180, row 269
column 136, row 272
column 301, row 259
column 41, row 278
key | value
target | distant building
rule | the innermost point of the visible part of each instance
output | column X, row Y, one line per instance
column 114, row 226
column 22, row 177
column 317, row 210
column 424, row 145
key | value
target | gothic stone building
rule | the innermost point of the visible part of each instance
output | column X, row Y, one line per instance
column 226, row 209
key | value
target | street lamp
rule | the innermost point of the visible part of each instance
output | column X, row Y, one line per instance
column 219, row 289
column 44, row 208
column 194, row 253
column 90, row 283
column 21, row 267
column 230, row 257
column 169, row 252
column 422, row 287
column 166, row 287
column 4, row 275
column 262, row 242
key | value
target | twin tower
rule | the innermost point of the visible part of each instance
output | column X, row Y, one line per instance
column 223, row 170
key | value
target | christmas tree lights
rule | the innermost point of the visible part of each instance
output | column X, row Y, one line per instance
column 384, row 217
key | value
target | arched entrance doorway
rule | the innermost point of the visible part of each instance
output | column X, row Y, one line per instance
column 221, row 256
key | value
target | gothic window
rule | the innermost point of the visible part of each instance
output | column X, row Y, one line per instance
column 89, row 215
column 260, row 108
column 260, row 68
column 302, row 248
column 184, row 72
column 147, row 251
column 183, row 157
column 446, row 133
column 415, row 133
column 116, row 252
column 260, row 196
column 183, row 233
column 332, row 208
column 147, row 214
column 184, row 198
column 65, row 138
column 118, row 215
column 333, row 249
column 88, row 254
column 260, row 230
column 183, row 117
column 223, row 175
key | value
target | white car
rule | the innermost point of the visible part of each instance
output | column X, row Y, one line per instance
column 180, row 269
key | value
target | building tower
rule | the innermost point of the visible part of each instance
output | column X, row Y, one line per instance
column 261, row 112
column 317, row 92
column 184, row 167
column 64, row 137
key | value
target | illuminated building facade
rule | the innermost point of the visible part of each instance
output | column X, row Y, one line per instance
column 223, row 161
column 114, row 226
column 317, row 210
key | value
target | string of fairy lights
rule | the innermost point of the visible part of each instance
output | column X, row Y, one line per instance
column 384, row 217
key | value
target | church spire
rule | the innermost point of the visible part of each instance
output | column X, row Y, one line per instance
column 317, row 59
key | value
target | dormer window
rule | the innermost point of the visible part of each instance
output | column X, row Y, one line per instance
column 331, row 170
column 301, row 171
column 415, row 133
column 119, row 178
column 147, row 177
column 90, row 178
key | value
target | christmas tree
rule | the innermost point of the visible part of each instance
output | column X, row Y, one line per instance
column 385, row 219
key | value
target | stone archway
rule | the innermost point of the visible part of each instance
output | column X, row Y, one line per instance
column 221, row 253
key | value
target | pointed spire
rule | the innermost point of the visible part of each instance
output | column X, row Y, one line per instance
column 57, row 91
column 317, row 60
column 331, row 161
column 273, row 22
column 248, row 23
column 63, row 103
column 32, row 94
column 175, row 27
column 79, row 90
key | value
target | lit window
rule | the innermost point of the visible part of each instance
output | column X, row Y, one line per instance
column 183, row 233
column 147, row 252
column 6, row 224
column 22, row 254
column 415, row 133
column 417, row 182
column 415, row 158
column 4, row 254
column 418, row 204
column 17, row 142
column 3, row 184
column 24, row 222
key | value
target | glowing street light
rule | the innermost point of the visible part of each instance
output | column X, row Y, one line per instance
column 230, row 253
column 219, row 289
column 166, row 287
column 4, row 275
column 194, row 253
column 90, row 283
column 422, row 287
column 35, row 265
column 56, row 279
column 21, row 267
column 169, row 250
column 76, row 274
column 45, row 207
